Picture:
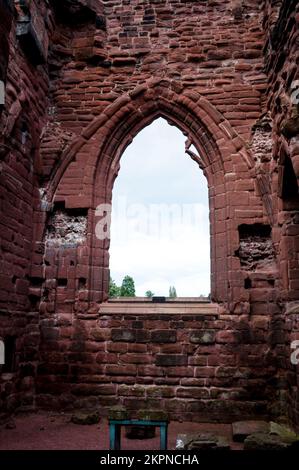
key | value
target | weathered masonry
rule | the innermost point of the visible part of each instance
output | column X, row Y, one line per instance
column 81, row 78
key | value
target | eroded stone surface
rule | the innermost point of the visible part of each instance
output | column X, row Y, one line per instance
column 242, row 429
column 65, row 229
column 203, row 441
column 264, row 441
column 118, row 413
column 256, row 250
column 140, row 432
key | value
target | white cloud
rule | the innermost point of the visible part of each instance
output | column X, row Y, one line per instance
column 172, row 249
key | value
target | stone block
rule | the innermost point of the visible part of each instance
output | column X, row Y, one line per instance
column 203, row 337
column 166, row 360
column 264, row 441
column 123, row 335
column 140, row 432
column 242, row 429
column 163, row 336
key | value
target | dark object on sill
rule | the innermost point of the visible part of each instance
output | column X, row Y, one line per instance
column 158, row 300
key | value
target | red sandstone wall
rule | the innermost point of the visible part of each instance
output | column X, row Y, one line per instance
column 102, row 57
column 173, row 41
column 191, row 365
column 21, row 122
column 281, row 51
column 104, row 89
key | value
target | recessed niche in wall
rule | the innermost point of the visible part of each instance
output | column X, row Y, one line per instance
column 66, row 227
column 256, row 251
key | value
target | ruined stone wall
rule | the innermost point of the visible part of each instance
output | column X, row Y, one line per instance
column 125, row 46
column 6, row 15
column 101, row 71
column 191, row 365
column 281, row 55
column 22, row 119
column 206, row 59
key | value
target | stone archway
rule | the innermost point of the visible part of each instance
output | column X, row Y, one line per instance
column 224, row 72
column 189, row 349
column 97, row 152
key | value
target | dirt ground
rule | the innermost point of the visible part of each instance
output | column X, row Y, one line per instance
column 47, row 431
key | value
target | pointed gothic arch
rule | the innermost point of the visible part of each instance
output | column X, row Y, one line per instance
column 95, row 157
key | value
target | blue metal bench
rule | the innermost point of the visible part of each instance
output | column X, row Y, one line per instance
column 115, row 430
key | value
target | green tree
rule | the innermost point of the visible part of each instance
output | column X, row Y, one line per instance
column 114, row 290
column 149, row 294
column 172, row 292
column 128, row 287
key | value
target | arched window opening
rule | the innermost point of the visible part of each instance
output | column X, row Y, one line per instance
column 160, row 218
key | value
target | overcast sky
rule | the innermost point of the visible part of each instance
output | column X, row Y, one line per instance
column 160, row 225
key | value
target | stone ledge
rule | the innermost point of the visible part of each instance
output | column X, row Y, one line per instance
column 146, row 307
